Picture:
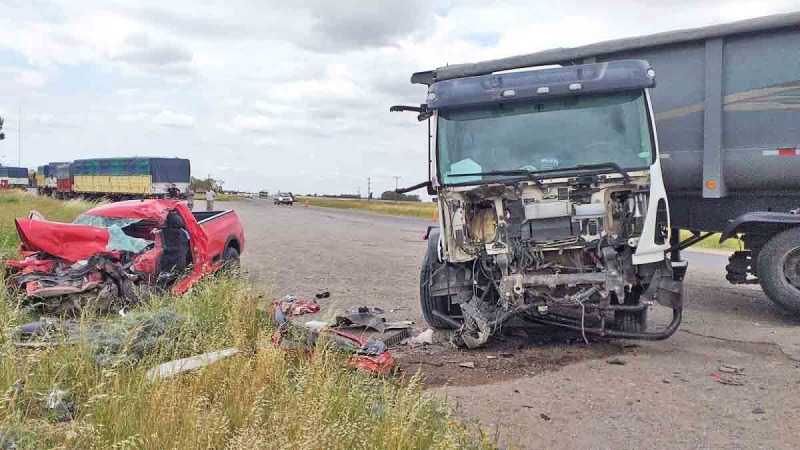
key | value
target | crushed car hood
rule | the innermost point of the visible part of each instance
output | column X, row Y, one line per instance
column 67, row 241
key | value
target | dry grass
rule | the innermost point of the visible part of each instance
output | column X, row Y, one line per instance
column 261, row 398
column 15, row 204
column 420, row 210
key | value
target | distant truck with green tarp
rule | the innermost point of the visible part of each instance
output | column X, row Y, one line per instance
column 135, row 177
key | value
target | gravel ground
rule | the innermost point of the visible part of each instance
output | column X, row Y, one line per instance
column 550, row 390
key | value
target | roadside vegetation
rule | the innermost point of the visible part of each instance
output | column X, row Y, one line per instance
column 89, row 389
column 15, row 204
column 420, row 210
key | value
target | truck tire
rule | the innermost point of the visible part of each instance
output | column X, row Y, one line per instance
column 779, row 269
column 430, row 263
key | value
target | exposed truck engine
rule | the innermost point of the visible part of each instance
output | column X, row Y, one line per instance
column 552, row 207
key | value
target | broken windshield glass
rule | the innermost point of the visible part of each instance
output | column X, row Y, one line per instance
column 104, row 222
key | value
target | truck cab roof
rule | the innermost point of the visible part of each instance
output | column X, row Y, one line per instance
column 614, row 76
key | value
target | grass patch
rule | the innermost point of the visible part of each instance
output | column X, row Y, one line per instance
column 226, row 197
column 17, row 204
column 712, row 242
column 261, row 397
column 420, row 210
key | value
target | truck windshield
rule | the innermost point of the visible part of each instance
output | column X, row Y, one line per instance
column 542, row 135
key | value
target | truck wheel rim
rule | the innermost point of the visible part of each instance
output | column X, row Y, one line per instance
column 791, row 268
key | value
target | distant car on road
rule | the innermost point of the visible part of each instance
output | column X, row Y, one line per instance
column 283, row 198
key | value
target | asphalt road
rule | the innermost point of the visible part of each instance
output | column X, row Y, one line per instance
column 549, row 391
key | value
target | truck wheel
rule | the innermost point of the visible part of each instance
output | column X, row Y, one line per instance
column 428, row 302
column 779, row 269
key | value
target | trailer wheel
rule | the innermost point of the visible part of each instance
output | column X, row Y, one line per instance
column 779, row 269
column 429, row 303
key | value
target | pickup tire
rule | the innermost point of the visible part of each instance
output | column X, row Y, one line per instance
column 429, row 303
column 779, row 269
column 230, row 259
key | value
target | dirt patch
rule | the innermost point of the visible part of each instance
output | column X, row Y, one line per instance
column 520, row 352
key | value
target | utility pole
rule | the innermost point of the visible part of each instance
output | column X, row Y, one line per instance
column 369, row 188
column 396, row 186
column 19, row 136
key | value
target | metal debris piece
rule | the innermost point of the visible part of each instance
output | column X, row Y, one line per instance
column 616, row 361
column 54, row 401
column 397, row 338
column 177, row 366
column 361, row 319
column 468, row 365
column 729, row 368
column 476, row 330
column 726, row 380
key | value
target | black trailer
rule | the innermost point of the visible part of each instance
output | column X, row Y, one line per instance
column 727, row 108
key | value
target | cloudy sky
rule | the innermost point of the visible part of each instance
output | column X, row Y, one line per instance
column 277, row 94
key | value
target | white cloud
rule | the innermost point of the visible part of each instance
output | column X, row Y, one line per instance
column 32, row 79
column 167, row 118
column 255, row 123
column 311, row 79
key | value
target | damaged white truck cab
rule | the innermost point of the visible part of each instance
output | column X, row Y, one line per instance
column 552, row 206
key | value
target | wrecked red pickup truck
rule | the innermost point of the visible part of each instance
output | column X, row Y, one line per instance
column 115, row 254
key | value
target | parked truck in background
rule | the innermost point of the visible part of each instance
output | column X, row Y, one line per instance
column 13, row 177
column 728, row 125
column 122, row 178
column 46, row 180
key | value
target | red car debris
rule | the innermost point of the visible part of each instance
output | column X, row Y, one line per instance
column 114, row 250
column 367, row 355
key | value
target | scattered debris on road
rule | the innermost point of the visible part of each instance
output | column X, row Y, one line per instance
column 366, row 319
column 369, row 355
column 426, row 337
column 292, row 306
column 729, row 380
column 545, row 417
column 728, row 368
column 322, row 295
column 616, row 361
column 467, row 365
column 758, row 410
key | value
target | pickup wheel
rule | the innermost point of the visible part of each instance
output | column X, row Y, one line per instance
column 779, row 269
column 428, row 302
column 230, row 259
